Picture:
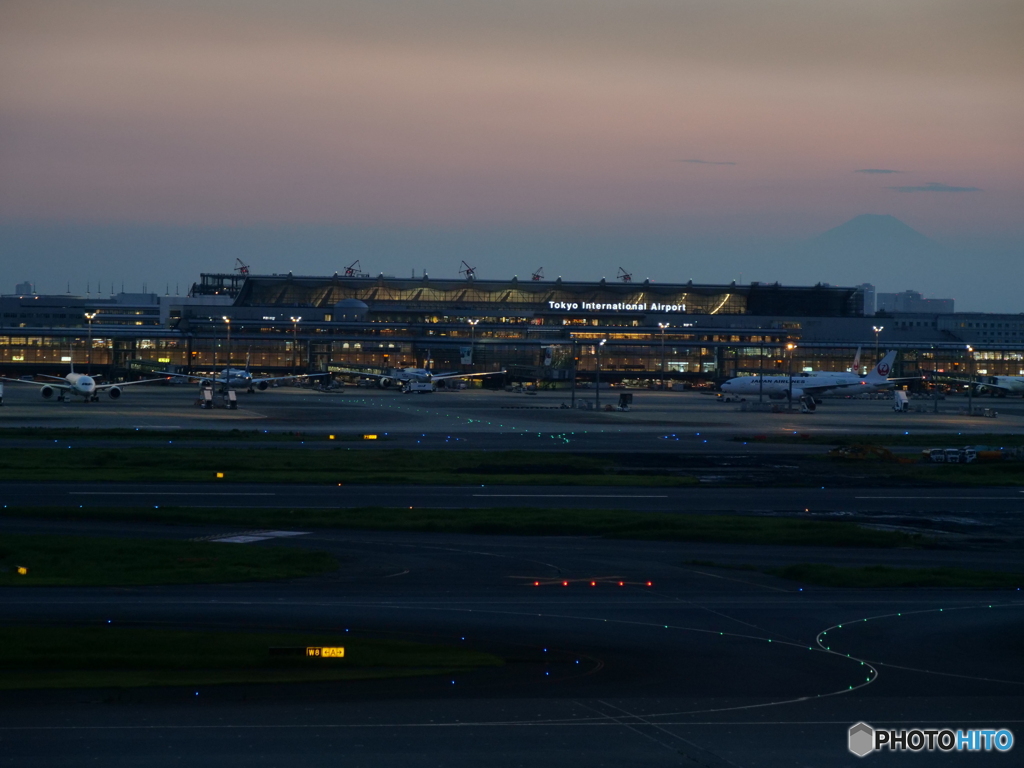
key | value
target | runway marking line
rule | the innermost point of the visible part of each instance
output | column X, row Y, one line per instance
column 949, row 498
column 561, row 496
column 160, row 493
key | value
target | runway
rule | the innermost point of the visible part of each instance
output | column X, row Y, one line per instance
column 972, row 512
column 483, row 419
column 705, row 667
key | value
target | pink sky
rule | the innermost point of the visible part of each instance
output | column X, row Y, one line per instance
column 463, row 114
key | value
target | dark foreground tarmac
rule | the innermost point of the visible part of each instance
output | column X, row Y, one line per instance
column 708, row 666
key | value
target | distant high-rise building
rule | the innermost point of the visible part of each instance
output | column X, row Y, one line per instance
column 912, row 301
column 25, row 288
column 869, row 298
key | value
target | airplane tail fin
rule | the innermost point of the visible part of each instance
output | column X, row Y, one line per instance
column 883, row 369
column 856, row 362
column 248, row 355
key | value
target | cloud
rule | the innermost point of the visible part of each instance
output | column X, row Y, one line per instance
column 934, row 186
column 708, row 162
column 876, row 170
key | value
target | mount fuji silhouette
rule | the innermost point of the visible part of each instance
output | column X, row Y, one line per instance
column 870, row 248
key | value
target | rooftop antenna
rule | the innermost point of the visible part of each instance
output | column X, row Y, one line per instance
column 538, row 275
column 176, row 289
column 467, row 271
column 69, row 287
column 624, row 276
column 168, row 293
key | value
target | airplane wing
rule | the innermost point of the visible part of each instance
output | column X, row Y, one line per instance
column 62, row 385
column 820, row 389
column 436, row 376
column 119, row 385
column 172, row 375
column 283, row 378
column 354, row 372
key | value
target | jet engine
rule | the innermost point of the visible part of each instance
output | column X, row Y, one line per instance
column 46, row 392
column 385, row 383
column 262, row 386
column 114, row 392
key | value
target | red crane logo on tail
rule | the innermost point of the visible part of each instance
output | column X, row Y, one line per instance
column 883, row 369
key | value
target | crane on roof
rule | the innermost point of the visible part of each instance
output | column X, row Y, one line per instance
column 624, row 276
column 467, row 271
column 242, row 268
column 539, row 274
column 353, row 270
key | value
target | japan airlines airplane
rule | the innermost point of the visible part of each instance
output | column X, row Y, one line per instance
column 806, row 387
column 403, row 377
column 79, row 385
column 238, row 378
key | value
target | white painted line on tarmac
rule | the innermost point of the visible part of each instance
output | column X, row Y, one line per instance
column 560, row 496
column 949, row 498
column 239, row 539
column 160, row 493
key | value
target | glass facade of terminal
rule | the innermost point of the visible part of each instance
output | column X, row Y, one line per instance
column 534, row 331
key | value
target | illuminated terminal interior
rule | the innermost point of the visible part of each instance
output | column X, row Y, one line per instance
column 536, row 330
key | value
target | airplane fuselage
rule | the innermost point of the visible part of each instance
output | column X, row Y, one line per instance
column 81, row 385
column 780, row 385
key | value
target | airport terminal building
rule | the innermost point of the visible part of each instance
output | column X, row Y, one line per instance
column 536, row 330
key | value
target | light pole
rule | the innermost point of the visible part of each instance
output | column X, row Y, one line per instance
column 877, row 329
column 89, row 316
column 597, row 377
column 227, row 367
column 760, row 374
column 575, row 363
column 295, row 343
column 970, row 381
column 472, row 338
column 663, row 326
column 791, row 347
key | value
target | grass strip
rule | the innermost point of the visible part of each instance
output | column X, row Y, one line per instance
column 112, row 656
column 72, row 434
column 883, row 576
column 81, row 561
column 616, row 524
column 339, row 465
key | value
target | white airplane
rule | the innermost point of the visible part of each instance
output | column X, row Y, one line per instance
column 79, row 385
column 403, row 378
column 238, row 378
column 805, row 387
column 1001, row 385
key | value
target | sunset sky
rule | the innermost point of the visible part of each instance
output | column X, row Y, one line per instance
column 152, row 140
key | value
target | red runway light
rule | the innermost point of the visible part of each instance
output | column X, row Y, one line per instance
column 649, row 584
column 621, row 584
column 565, row 583
column 593, row 583
column 536, row 583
